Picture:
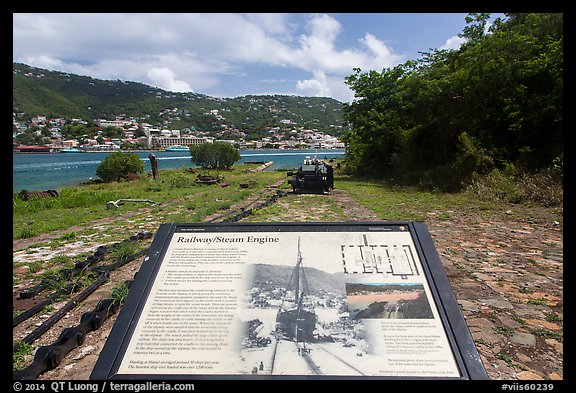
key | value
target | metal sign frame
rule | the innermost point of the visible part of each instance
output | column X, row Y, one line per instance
column 457, row 334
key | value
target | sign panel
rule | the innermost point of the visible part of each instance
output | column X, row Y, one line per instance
column 346, row 300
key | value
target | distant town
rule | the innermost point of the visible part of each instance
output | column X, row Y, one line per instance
column 44, row 134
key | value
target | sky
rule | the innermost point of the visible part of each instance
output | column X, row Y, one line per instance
column 231, row 54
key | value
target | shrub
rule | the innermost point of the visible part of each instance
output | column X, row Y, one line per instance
column 118, row 165
column 217, row 155
column 512, row 186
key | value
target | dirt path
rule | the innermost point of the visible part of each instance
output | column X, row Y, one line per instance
column 506, row 275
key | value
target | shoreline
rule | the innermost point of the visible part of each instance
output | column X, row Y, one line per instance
column 34, row 172
column 160, row 151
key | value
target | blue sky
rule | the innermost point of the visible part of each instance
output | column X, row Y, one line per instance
column 231, row 54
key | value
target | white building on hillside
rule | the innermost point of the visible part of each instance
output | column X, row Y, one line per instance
column 159, row 142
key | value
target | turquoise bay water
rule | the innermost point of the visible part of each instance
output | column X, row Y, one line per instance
column 35, row 172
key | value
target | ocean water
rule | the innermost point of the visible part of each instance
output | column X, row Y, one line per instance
column 35, row 172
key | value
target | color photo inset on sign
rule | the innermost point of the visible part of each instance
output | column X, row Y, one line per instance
column 387, row 301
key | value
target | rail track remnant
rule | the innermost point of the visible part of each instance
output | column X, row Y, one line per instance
column 25, row 194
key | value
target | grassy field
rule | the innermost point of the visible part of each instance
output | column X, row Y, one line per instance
column 405, row 203
column 181, row 199
column 176, row 191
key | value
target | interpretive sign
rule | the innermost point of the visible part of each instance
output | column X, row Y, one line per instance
column 289, row 300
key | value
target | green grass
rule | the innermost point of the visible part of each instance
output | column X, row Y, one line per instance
column 182, row 200
column 120, row 292
column 176, row 188
column 406, row 203
column 124, row 250
column 19, row 355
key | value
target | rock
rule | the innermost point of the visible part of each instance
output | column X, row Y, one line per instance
column 523, row 339
column 468, row 305
column 487, row 336
column 21, row 269
column 529, row 375
column 543, row 324
column 558, row 346
column 507, row 321
column 524, row 358
column 84, row 351
column 498, row 303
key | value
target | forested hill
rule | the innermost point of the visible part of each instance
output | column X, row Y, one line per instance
column 38, row 91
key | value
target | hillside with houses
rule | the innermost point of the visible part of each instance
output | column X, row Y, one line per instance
column 54, row 110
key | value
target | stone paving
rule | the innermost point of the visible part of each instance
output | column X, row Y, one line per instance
column 508, row 279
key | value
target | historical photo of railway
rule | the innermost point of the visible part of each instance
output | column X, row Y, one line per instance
column 387, row 301
column 296, row 322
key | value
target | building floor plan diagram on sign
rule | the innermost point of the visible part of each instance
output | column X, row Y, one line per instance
column 395, row 260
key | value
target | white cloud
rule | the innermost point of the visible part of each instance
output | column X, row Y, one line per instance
column 185, row 52
column 274, row 24
column 316, row 87
column 165, row 78
column 42, row 61
column 322, row 85
column 383, row 56
column 453, row 43
column 318, row 50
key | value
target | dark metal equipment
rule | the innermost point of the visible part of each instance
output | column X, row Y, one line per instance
column 314, row 176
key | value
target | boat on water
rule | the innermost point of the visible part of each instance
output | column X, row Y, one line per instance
column 177, row 148
column 72, row 150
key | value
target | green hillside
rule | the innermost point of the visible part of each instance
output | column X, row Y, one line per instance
column 38, row 91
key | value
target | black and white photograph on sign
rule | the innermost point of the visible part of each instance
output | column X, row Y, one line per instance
column 290, row 303
column 298, row 322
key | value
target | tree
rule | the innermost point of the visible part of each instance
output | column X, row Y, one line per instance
column 217, row 155
column 476, row 26
column 117, row 165
column 496, row 101
column 377, row 117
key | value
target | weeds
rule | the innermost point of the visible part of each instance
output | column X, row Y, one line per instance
column 119, row 293
column 18, row 356
column 505, row 331
column 124, row 250
column 26, row 233
column 558, row 336
column 510, row 186
column 538, row 302
column 551, row 317
column 505, row 357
